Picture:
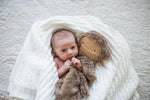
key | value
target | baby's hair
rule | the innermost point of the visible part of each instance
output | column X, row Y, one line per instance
column 61, row 34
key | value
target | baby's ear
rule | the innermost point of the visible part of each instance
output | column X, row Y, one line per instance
column 53, row 53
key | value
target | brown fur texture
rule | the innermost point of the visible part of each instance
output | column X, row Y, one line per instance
column 76, row 83
column 101, row 41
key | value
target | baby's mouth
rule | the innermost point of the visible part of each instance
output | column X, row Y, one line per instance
column 70, row 58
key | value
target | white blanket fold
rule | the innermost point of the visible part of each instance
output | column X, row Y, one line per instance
column 34, row 75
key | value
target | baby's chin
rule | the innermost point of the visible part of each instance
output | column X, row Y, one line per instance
column 67, row 59
column 70, row 58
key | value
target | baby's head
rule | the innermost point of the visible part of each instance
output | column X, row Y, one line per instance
column 64, row 44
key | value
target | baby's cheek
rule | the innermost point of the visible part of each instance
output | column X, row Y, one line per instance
column 62, row 57
column 65, row 58
column 77, row 52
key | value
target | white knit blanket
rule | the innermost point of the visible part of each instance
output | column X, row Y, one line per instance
column 34, row 75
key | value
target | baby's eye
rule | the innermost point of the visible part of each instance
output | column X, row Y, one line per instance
column 73, row 47
column 63, row 50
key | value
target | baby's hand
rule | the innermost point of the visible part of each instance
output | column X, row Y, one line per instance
column 76, row 62
column 68, row 64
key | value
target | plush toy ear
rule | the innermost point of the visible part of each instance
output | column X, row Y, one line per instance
column 89, row 47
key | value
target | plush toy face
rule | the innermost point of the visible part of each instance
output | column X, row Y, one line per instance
column 89, row 47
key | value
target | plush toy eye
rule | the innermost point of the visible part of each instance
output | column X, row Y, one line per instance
column 94, row 50
column 82, row 42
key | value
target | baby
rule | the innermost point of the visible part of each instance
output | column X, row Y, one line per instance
column 65, row 49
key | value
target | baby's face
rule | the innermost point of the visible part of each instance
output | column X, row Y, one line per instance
column 66, row 48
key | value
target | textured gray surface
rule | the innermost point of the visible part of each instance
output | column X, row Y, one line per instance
column 130, row 17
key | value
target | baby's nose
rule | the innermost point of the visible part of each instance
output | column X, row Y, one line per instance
column 69, row 51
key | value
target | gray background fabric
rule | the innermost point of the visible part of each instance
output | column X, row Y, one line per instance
column 130, row 17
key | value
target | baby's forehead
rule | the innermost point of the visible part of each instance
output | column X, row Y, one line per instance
column 63, row 34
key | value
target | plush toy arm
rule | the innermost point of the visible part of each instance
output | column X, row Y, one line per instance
column 84, row 88
column 58, row 91
column 68, row 88
column 88, row 68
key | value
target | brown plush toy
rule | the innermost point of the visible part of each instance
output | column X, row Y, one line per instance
column 92, row 49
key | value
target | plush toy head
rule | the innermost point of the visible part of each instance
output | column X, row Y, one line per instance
column 93, row 45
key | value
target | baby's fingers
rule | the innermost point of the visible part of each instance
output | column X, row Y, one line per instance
column 68, row 62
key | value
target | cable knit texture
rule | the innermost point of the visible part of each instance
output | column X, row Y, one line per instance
column 34, row 76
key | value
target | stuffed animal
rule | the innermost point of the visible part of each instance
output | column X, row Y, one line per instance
column 92, row 49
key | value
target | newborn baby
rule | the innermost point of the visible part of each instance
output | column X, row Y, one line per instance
column 65, row 49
